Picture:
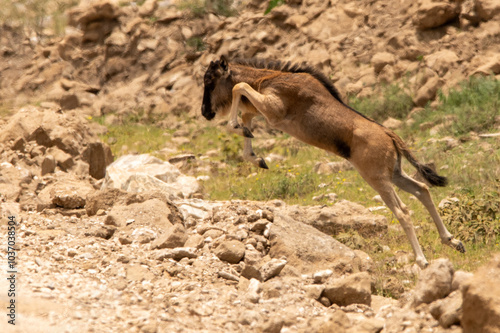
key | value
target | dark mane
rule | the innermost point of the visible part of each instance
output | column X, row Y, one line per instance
column 292, row 68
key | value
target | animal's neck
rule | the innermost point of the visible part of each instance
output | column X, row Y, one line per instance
column 250, row 75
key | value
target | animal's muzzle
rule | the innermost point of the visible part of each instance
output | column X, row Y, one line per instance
column 207, row 112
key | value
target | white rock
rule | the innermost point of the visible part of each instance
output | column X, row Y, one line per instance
column 144, row 173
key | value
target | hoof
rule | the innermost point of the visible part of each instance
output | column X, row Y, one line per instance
column 455, row 244
column 423, row 263
column 262, row 164
column 247, row 133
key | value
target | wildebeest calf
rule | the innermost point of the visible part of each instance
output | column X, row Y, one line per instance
column 302, row 102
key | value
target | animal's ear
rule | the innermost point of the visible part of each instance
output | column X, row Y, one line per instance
column 223, row 63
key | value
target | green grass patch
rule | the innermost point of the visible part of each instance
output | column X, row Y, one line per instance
column 200, row 8
column 472, row 106
column 36, row 15
column 272, row 4
column 134, row 136
column 393, row 101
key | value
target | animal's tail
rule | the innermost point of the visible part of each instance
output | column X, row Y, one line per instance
column 424, row 170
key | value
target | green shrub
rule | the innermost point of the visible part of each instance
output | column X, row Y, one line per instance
column 474, row 220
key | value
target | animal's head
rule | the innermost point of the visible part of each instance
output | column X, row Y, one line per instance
column 215, row 82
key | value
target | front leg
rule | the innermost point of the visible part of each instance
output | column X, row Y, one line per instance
column 233, row 126
column 248, row 154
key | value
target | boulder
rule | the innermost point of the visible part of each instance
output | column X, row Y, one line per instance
column 306, row 248
column 481, row 300
column 11, row 180
column 340, row 217
column 66, row 192
column 442, row 61
column 432, row 14
column 48, row 165
column 448, row 311
column 382, row 59
column 428, row 91
column 98, row 156
column 152, row 212
column 392, row 123
column 487, row 9
column 106, row 199
column 145, row 173
column 353, row 289
column 434, row 282
column 488, row 66
column 63, row 160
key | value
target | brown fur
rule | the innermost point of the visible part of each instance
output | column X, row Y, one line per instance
column 302, row 102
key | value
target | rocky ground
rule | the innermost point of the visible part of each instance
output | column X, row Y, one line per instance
column 132, row 246
column 137, row 251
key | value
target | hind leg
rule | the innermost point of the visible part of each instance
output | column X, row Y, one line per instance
column 401, row 212
column 421, row 192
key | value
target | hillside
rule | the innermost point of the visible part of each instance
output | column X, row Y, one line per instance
column 135, row 214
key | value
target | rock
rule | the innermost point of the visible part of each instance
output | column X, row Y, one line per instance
column 382, row 59
column 101, row 10
column 174, row 237
column 353, row 289
column 19, row 145
column 106, row 199
column 176, row 254
column 392, row 123
column 306, row 248
column 104, row 231
column 153, row 212
column 489, row 65
column 432, row 14
column 11, row 180
column 251, row 272
column 48, row 165
column 481, row 300
column 460, row 279
column 63, row 160
column 67, row 192
column 138, row 273
column 231, row 251
column 428, row 91
column 448, row 311
column 228, row 276
column 69, row 101
column 272, row 268
column 273, row 325
column 144, row 173
column 336, row 322
column 98, row 155
column 442, row 61
column 434, row 282
column 314, row 291
column 487, row 9
column 195, row 241
column 322, row 276
column 253, row 290
column 341, row 217
column 329, row 168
